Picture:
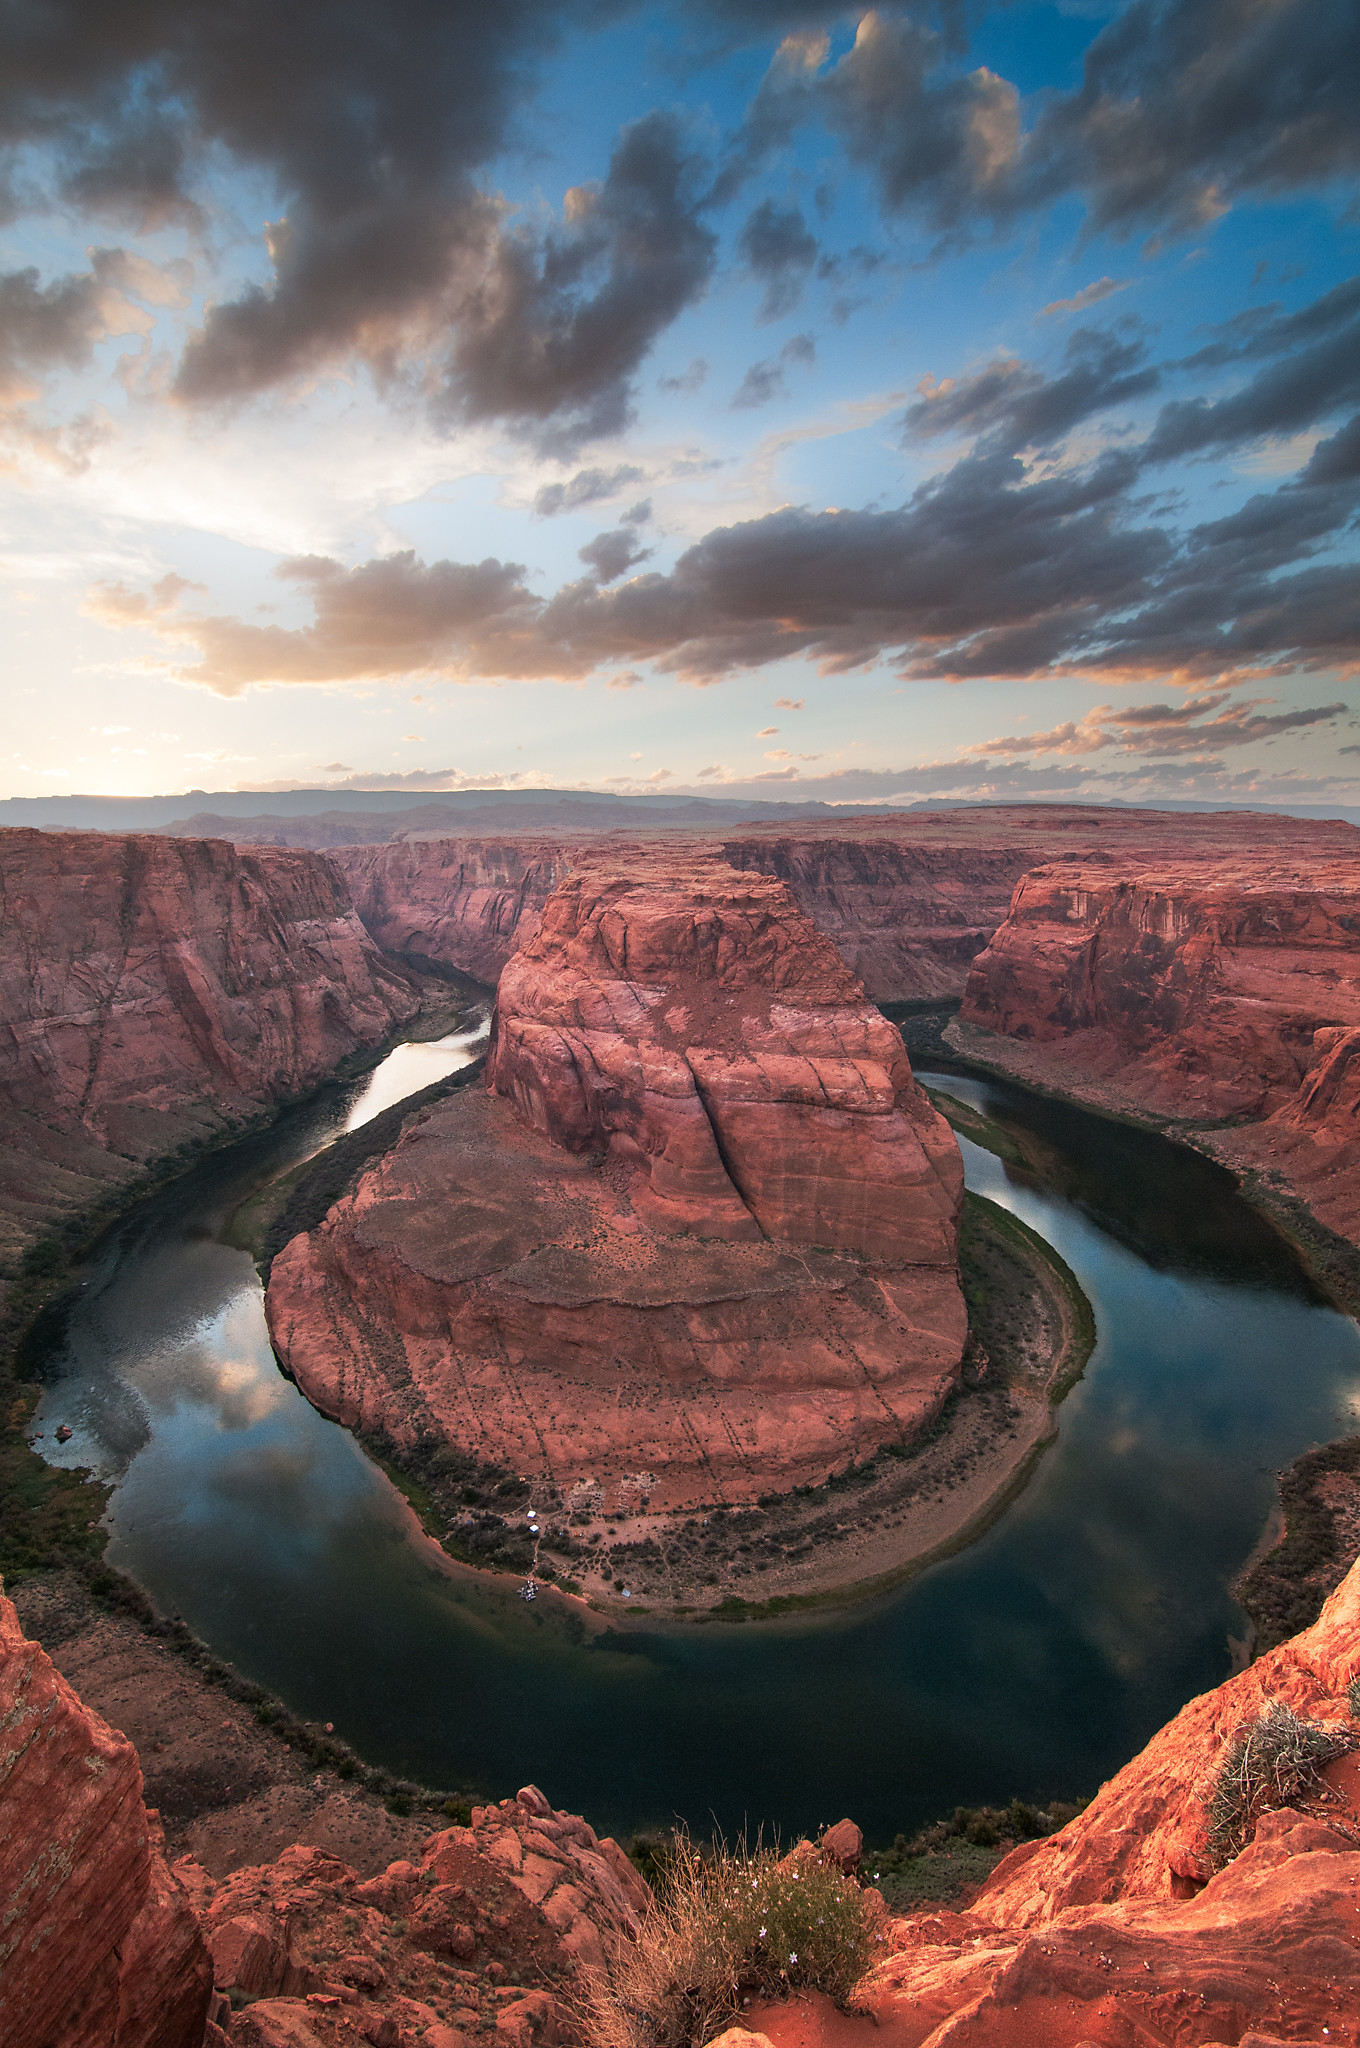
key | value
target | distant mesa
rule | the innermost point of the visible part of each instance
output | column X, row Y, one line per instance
column 702, row 1222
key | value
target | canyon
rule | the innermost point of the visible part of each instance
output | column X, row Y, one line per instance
column 696, row 1241
column 1128, row 1928
column 157, row 994
column 1206, row 992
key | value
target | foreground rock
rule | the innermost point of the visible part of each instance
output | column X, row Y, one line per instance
column 98, row 1945
column 1119, row 1933
column 487, row 1930
column 157, row 991
column 699, row 1241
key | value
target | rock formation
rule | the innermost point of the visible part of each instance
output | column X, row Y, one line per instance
column 699, row 1239
column 1208, row 992
column 157, row 990
column 1118, row 1931
column 1202, row 986
column 909, row 919
column 483, row 1931
column 99, row 1947
column 464, row 904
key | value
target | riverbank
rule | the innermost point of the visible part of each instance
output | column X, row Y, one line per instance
column 1332, row 1261
column 864, row 1530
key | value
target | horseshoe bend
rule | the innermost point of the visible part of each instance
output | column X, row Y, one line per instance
column 697, row 1238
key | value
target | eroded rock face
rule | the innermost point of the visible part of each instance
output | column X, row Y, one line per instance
column 703, row 1228
column 486, row 1931
column 1202, row 987
column 1116, row 1930
column 153, row 989
column 460, row 903
column 99, row 1947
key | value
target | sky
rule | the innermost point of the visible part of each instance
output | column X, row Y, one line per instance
column 742, row 397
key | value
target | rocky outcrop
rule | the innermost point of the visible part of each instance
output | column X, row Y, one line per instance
column 154, row 991
column 99, row 1947
column 464, row 904
column 697, row 1243
column 488, row 1929
column 1118, row 1931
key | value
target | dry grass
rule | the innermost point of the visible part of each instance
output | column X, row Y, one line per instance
column 727, row 1925
column 1272, row 1762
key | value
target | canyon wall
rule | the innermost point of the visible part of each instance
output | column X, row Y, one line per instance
column 464, row 904
column 99, row 1947
column 154, row 991
column 908, row 919
column 699, row 1238
column 1208, row 990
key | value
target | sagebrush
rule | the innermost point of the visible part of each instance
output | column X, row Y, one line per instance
column 727, row 1926
column 1272, row 1762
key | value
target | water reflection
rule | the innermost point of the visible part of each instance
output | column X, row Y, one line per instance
column 1033, row 1663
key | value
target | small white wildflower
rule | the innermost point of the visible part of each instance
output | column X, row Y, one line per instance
column 794, row 1957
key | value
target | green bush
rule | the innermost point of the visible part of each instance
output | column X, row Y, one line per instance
column 1274, row 1761
column 727, row 1925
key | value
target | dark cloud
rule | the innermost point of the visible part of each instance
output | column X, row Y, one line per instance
column 373, row 125
column 687, row 382
column 1338, row 460
column 764, row 381
column 1313, row 382
column 779, row 250
column 556, row 329
column 1162, row 731
column 1185, row 107
column 611, row 555
column 587, row 487
column 1265, row 331
column 1010, row 405
column 639, row 514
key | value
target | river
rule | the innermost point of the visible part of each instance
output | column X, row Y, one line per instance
column 1033, row 1663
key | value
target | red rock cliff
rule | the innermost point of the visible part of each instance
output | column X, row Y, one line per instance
column 153, row 990
column 460, row 903
column 1118, row 1932
column 99, row 1947
column 714, row 1239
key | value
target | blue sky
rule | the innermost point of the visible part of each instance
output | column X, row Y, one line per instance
column 751, row 398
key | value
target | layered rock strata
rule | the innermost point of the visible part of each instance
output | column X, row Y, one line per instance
column 465, row 904
column 697, row 1242
column 99, row 1947
column 1202, row 986
column 1118, row 1930
column 157, row 990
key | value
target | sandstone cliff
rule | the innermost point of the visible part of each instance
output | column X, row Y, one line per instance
column 1117, row 1931
column 698, row 1243
column 156, row 990
column 460, row 903
column 909, row 919
column 99, row 1947
column 1202, row 986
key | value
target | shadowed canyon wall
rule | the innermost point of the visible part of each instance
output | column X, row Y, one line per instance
column 154, row 991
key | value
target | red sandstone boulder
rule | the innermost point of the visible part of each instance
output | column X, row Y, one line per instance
column 712, row 1242
column 99, row 1947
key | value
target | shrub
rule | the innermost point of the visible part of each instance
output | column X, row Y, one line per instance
column 1273, row 1761
column 728, row 1924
